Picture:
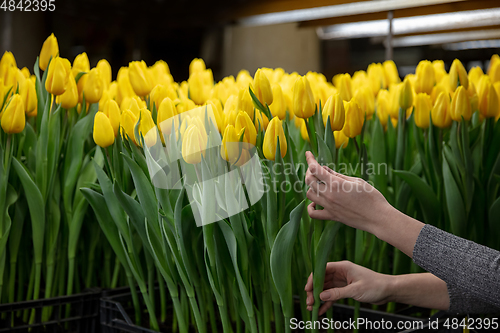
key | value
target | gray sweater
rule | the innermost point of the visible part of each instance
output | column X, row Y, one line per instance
column 471, row 271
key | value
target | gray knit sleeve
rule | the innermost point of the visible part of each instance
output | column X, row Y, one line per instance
column 471, row 271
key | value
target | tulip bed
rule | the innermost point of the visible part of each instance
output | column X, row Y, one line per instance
column 105, row 182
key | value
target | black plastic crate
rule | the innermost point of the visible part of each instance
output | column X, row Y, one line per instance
column 114, row 316
column 83, row 318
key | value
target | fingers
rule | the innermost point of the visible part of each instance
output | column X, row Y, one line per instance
column 335, row 294
column 317, row 214
column 317, row 198
column 316, row 169
column 324, row 307
column 317, row 185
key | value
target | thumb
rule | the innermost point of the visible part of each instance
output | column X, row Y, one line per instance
column 335, row 294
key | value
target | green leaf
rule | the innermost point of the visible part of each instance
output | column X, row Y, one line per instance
column 36, row 206
column 379, row 157
column 259, row 105
column 281, row 259
column 454, row 202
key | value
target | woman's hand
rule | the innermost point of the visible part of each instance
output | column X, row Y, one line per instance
column 349, row 200
column 344, row 279
column 357, row 204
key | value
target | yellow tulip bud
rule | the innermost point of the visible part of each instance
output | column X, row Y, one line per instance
column 160, row 73
column 200, row 86
column 354, row 118
column 439, row 88
column 475, row 74
column 376, row 77
column 494, row 68
column 341, row 140
column 147, row 128
column 426, row 78
column 273, row 133
column 93, row 86
column 166, row 111
column 406, row 95
column 366, row 101
column 112, row 111
column 28, row 94
column 124, row 88
column 103, row 131
column 391, row 72
column 440, row 113
column 460, row 105
column 26, row 72
column 278, row 108
column 13, row 117
column 58, row 76
column 50, row 48
column 303, row 129
column 185, row 105
column 243, row 121
column 458, row 75
column 344, row 86
column 160, row 92
column 194, row 143
column 263, row 88
column 423, row 106
column 439, row 70
column 218, row 113
column 105, row 70
column 334, row 109
column 8, row 60
column 81, row 64
column 245, row 102
column 261, row 121
column 303, row 98
column 197, row 65
column 243, row 79
column 488, row 99
column 128, row 120
column 383, row 107
column 231, row 145
column 139, row 78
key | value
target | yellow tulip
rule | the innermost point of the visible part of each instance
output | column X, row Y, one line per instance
column 341, row 140
column 124, row 87
column 128, row 120
column 139, row 78
column 376, row 77
column 303, row 129
column 366, row 101
column 426, row 77
column 278, row 108
column 354, row 118
column 161, row 91
column 243, row 121
column 13, row 117
column 438, row 88
column 303, row 99
column 263, row 88
column 231, row 146
column 166, row 111
column 105, row 70
column 245, row 102
column 103, row 131
column 243, row 79
column 197, row 65
column 50, row 48
column 69, row 98
column 391, row 72
column 261, row 121
column 334, row 109
column 93, row 86
column 200, row 86
column 406, row 95
column 440, row 113
column 194, row 143
column 112, row 111
column 26, row 72
column 81, row 64
column 423, row 106
column 488, row 100
column 383, row 107
column 460, row 105
column 344, row 86
column 185, row 105
column 439, row 70
column 147, row 128
column 28, row 94
column 58, row 76
column 273, row 133
column 8, row 60
column 475, row 73
column 458, row 75
column 160, row 72
column 494, row 69
column 218, row 113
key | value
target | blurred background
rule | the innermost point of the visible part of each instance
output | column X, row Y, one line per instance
column 331, row 37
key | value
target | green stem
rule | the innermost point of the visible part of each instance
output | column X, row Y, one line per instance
column 196, row 313
column 179, row 314
column 116, row 273
column 152, row 316
column 135, row 298
column 48, row 291
column 163, row 297
column 31, row 285
column 278, row 318
column 38, row 278
column 356, row 314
